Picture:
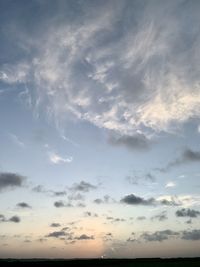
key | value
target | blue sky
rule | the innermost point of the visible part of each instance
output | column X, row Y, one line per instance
column 100, row 128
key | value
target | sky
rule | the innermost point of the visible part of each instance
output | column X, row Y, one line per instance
column 100, row 128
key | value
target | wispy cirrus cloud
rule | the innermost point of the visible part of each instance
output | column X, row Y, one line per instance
column 146, row 80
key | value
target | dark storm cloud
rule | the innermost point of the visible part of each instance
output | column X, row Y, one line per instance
column 135, row 200
column 83, row 187
column 23, row 205
column 10, row 180
column 56, row 234
column 138, row 141
column 191, row 235
column 55, row 225
column 84, row 237
column 159, row 235
column 187, row 213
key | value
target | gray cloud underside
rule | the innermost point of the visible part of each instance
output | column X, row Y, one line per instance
column 15, row 219
column 159, row 235
column 61, row 204
column 83, row 187
column 187, row 213
column 137, row 141
column 55, row 225
column 10, row 180
column 23, row 205
column 143, row 65
column 105, row 200
column 160, row 217
column 135, row 200
column 191, row 235
column 136, row 179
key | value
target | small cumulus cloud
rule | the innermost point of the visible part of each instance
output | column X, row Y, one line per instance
column 105, row 200
column 159, row 235
column 135, row 142
column 56, row 234
column 135, row 200
column 15, row 219
column 141, row 218
column 58, row 159
column 85, row 237
column 23, row 205
column 90, row 214
column 10, row 180
column 170, row 184
column 55, row 225
column 188, row 213
column 62, row 204
column 160, row 217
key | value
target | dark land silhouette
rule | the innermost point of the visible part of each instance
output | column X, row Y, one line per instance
column 153, row 262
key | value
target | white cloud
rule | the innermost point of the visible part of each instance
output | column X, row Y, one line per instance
column 170, row 184
column 57, row 159
column 143, row 79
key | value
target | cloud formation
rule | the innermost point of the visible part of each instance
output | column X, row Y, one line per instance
column 10, row 180
column 191, row 235
column 135, row 200
column 83, row 187
column 159, row 235
column 187, row 156
column 15, row 219
column 84, row 237
column 187, row 213
column 145, row 77
column 56, row 234
column 23, row 205
column 137, row 141
column 55, row 225
column 57, row 159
